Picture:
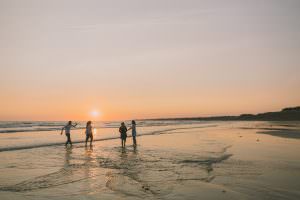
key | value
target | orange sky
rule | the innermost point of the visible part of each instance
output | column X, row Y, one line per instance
column 147, row 59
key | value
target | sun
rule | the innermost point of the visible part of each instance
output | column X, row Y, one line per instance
column 95, row 113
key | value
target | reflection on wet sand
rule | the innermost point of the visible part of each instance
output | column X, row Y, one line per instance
column 68, row 156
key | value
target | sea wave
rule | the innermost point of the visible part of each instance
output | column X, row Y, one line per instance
column 38, row 126
column 156, row 132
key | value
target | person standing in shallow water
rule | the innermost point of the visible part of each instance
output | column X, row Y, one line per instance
column 89, row 133
column 133, row 128
column 123, row 133
column 67, row 129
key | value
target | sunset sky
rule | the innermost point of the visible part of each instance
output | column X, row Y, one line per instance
column 117, row 59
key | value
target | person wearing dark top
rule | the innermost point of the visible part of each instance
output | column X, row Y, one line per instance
column 123, row 133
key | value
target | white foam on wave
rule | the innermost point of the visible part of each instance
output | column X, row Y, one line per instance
column 37, row 126
column 157, row 132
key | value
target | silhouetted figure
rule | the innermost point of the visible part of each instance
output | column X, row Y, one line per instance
column 89, row 133
column 133, row 128
column 67, row 129
column 123, row 132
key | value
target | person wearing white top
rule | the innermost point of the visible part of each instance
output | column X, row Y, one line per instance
column 133, row 128
column 67, row 129
column 89, row 133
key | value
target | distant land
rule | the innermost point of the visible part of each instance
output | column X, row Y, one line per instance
column 286, row 114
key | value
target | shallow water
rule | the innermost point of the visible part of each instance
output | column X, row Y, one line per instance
column 219, row 160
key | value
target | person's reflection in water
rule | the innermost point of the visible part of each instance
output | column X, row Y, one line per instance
column 123, row 153
column 89, row 153
column 123, row 158
column 135, row 149
column 68, row 157
column 130, row 163
column 68, row 162
column 89, row 149
column 89, row 168
column 89, row 157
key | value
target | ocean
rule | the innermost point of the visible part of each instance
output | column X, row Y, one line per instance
column 173, row 160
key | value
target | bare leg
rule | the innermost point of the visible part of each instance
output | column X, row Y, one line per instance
column 86, row 140
column 92, row 139
column 68, row 139
column 70, row 142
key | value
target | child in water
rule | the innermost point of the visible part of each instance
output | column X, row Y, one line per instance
column 123, row 133
column 67, row 129
column 133, row 128
column 89, row 133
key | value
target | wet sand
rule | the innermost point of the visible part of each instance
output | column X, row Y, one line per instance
column 231, row 160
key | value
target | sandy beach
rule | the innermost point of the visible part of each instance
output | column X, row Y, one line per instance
column 212, row 160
